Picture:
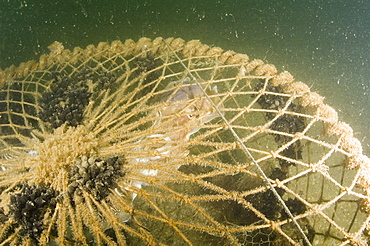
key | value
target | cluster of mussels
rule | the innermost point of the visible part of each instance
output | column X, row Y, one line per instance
column 95, row 175
column 146, row 64
column 106, row 80
column 285, row 123
column 28, row 207
column 145, row 68
column 292, row 124
column 65, row 101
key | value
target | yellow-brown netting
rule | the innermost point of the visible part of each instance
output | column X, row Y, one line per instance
column 167, row 142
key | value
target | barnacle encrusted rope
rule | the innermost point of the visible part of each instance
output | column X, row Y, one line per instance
column 171, row 142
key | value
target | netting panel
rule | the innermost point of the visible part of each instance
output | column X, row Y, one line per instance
column 127, row 143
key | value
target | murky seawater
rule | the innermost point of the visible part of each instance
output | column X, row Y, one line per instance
column 324, row 44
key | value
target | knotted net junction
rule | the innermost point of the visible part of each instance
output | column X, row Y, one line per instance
column 167, row 142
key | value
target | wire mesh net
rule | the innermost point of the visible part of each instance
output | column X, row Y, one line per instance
column 167, row 142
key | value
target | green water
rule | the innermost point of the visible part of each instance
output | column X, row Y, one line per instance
column 326, row 44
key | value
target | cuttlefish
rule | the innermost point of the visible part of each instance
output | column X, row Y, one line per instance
column 185, row 109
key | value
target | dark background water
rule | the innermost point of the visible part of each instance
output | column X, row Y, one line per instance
column 325, row 44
